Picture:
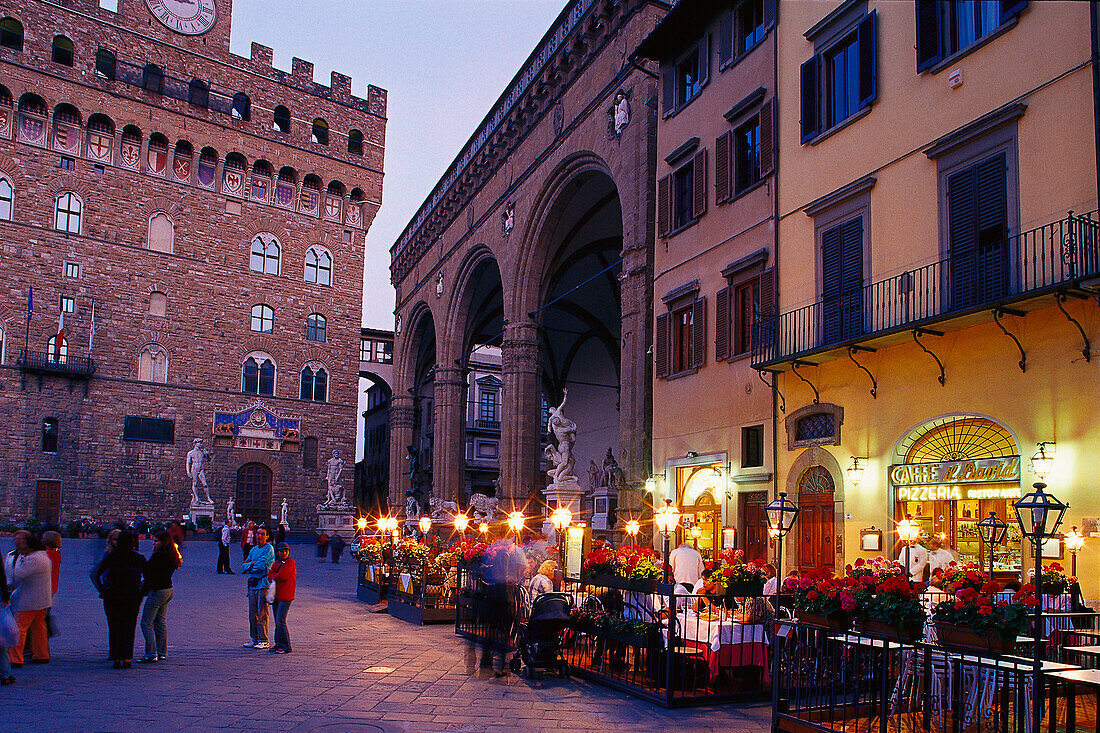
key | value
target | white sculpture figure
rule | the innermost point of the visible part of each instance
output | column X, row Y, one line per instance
column 508, row 219
column 565, row 432
column 334, row 468
column 441, row 510
column 230, row 507
column 195, row 466
column 412, row 508
column 282, row 514
column 611, row 471
column 620, row 112
column 484, row 507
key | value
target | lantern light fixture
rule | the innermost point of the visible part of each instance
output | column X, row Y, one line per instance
column 561, row 517
column 856, row 470
column 992, row 530
column 1074, row 540
column 483, row 528
column 781, row 514
column 633, row 526
column 1042, row 463
column 361, row 523
column 908, row 529
column 667, row 518
column 651, row 484
column 425, row 524
column 1039, row 513
column 461, row 522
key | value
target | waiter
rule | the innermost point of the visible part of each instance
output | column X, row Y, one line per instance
column 917, row 557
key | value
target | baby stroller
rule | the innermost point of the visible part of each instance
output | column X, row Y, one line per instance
column 540, row 637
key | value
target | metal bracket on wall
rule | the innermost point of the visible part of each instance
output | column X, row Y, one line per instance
column 1060, row 298
column 775, row 386
column 917, row 333
column 997, row 313
column 852, row 355
column 794, row 368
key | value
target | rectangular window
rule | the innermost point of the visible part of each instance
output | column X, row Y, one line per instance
column 149, row 429
column 109, row 5
column 747, row 155
column 752, row 446
column 687, row 79
column 746, row 314
column 750, row 25
column 840, row 80
column 682, row 79
column 384, row 352
column 683, row 184
column 67, row 304
column 487, row 410
column 365, row 349
column 72, row 269
column 68, row 164
column 49, row 435
column 946, row 28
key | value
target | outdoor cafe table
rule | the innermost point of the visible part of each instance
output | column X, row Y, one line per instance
column 726, row 643
column 980, row 699
column 1083, row 651
column 1071, row 678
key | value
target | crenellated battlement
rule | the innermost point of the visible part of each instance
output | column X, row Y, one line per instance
column 261, row 61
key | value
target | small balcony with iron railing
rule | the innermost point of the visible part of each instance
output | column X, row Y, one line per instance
column 1040, row 267
column 52, row 362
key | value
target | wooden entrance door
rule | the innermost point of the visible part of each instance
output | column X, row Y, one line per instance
column 755, row 522
column 816, row 534
column 254, row 492
column 47, row 501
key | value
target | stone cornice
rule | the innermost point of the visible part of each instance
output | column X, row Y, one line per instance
column 577, row 36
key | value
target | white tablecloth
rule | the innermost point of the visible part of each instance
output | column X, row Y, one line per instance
column 717, row 633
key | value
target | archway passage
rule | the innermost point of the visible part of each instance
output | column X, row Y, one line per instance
column 418, row 464
column 816, row 528
column 254, row 492
column 480, row 321
column 580, row 318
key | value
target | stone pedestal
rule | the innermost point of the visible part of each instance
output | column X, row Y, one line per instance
column 336, row 518
column 201, row 509
column 567, row 493
column 604, row 503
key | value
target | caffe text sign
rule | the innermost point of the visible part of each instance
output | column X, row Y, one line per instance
column 978, row 471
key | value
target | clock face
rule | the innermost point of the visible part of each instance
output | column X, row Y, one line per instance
column 190, row 17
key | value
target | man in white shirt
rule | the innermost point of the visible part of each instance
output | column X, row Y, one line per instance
column 917, row 558
column 686, row 564
column 938, row 556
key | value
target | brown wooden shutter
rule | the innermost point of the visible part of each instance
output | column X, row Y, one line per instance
column 722, row 324
column 725, row 39
column 767, row 138
column 699, row 333
column 664, row 204
column 668, row 87
column 723, row 149
column 660, row 344
column 699, row 184
column 704, row 60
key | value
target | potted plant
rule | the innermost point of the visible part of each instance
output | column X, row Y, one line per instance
column 822, row 599
column 738, row 577
column 631, row 567
column 974, row 621
column 894, row 610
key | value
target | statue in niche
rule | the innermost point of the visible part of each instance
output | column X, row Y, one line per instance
column 619, row 113
column 412, row 508
column 565, row 433
column 508, row 219
column 195, row 465
column 439, row 286
column 593, row 476
column 611, row 471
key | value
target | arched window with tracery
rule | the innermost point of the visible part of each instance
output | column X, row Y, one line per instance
column 153, row 364
column 265, row 254
column 315, row 327
column 258, row 374
column 68, row 211
column 314, row 383
column 318, row 266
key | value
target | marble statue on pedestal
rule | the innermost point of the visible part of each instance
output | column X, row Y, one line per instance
column 565, row 433
column 230, row 509
column 442, row 510
column 197, row 460
column 282, row 515
column 333, row 469
column 412, row 508
column 484, row 508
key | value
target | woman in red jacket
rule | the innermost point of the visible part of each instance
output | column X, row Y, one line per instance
column 284, row 574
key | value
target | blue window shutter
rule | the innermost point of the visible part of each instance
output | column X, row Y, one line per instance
column 929, row 33
column 868, row 61
column 810, row 108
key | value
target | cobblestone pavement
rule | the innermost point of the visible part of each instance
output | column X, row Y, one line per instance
column 350, row 670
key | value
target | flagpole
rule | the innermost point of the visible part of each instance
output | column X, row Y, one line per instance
column 27, row 330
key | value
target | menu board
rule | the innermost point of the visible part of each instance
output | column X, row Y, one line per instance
column 578, row 540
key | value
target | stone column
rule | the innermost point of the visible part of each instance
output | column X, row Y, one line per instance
column 401, row 415
column 520, row 433
column 448, row 451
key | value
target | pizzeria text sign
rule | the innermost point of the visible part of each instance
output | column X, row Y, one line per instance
column 978, row 471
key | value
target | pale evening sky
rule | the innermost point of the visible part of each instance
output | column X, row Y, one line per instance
column 443, row 62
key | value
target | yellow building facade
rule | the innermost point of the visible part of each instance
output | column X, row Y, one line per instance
column 938, row 271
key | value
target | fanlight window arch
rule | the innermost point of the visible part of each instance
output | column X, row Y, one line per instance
column 958, row 438
column 258, row 374
column 153, row 364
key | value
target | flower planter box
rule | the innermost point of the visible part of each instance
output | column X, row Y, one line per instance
column 836, row 622
column 627, row 638
column 614, row 581
column 909, row 632
column 966, row 639
column 372, row 584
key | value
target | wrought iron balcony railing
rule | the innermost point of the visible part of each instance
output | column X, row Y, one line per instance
column 488, row 424
column 55, row 363
column 1054, row 257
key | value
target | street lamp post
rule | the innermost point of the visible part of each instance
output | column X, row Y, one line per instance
column 1074, row 542
column 781, row 514
column 1039, row 514
column 424, row 524
column 667, row 518
column 515, row 523
column 992, row 532
column 632, row 528
column 908, row 531
column 561, row 518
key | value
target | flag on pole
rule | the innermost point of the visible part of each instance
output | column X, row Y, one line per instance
column 30, row 303
column 91, row 332
column 60, row 327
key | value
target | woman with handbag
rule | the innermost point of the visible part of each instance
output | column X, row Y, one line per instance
column 118, row 578
column 283, row 576
column 9, row 630
column 164, row 561
column 32, row 597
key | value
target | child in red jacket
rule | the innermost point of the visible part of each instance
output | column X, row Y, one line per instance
column 285, row 575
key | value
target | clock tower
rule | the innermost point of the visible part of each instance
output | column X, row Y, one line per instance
column 190, row 22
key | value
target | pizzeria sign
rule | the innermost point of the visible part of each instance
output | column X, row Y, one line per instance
column 979, row 470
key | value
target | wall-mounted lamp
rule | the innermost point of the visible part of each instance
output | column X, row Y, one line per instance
column 1042, row 463
column 651, row 484
column 855, row 471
